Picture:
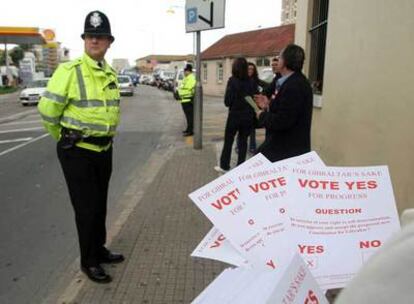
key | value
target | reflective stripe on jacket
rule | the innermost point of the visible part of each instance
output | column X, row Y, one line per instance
column 187, row 89
column 82, row 96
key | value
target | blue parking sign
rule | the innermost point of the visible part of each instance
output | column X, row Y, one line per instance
column 191, row 15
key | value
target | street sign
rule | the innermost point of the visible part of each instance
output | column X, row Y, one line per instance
column 201, row 15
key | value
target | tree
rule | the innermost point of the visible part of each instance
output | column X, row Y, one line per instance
column 2, row 60
column 16, row 55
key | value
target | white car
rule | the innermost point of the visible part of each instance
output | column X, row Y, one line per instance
column 126, row 86
column 33, row 91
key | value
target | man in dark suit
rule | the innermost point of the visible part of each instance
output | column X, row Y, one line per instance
column 287, row 117
column 270, row 90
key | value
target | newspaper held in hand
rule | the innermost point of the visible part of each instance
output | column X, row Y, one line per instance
column 252, row 103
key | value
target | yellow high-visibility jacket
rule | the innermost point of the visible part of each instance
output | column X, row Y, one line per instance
column 82, row 96
column 187, row 88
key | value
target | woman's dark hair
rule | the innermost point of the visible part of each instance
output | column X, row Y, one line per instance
column 255, row 75
column 293, row 57
column 239, row 69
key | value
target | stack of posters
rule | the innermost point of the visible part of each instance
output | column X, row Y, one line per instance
column 264, row 214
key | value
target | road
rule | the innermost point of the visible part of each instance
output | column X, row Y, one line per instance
column 38, row 237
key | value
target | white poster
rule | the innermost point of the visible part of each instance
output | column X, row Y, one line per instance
column 215, row 246
column 266, row 187
column 292, row 285
column 224, row 204
column 340, row 217
column 297, row 286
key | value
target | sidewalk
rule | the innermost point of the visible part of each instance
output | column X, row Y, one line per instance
column 163, row 228
column 159, row 237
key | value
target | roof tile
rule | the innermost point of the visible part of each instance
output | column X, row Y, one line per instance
column 263, row 42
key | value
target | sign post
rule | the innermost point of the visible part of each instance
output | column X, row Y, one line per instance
column 201, row 15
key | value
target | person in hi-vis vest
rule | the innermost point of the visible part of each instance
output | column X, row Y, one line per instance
column 186, row 93
column 80, row 109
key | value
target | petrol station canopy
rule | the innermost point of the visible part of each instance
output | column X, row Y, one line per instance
column 21, row 35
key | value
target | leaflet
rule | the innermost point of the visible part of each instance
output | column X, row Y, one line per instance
column 225, row 205
column 266, row 186
column 340, row 217
column 294, row 285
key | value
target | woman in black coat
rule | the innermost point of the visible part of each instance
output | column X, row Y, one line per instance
column 261, row 86
column 241, row 117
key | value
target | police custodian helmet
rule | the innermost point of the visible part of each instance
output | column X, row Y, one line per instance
column 97, row 24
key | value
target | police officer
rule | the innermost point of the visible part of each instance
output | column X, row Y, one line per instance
column 80, row 109
column 187, row 92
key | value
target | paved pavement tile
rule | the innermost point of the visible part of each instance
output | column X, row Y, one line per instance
column 159, row 237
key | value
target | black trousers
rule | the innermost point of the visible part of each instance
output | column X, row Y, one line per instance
column 252, row 142
column 188, row 109
column 236, row 124
column 87, row 175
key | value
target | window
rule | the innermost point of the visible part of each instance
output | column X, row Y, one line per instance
column 220, row 72
column 318, row 44
column 262, row 61
column 204, row 72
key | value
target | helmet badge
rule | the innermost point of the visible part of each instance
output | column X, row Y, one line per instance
column 95, row 20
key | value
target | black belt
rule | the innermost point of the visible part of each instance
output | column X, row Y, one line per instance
column 100, row 141
column 71, row 137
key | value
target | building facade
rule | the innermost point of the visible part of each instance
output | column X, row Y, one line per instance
column 119, row 64
column 360, row 64
column 150, row 63
column 289, row 11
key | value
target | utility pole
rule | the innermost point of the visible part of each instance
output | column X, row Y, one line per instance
column 198, row 105
column 201, row 15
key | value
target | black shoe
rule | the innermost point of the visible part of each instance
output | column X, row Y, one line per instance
column 96, row 274
column 188, row 134
column 111, row 258
column 185, row 131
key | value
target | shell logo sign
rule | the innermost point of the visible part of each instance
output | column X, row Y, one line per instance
column 49, row 35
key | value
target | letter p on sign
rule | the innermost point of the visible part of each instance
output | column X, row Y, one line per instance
column 192, row 15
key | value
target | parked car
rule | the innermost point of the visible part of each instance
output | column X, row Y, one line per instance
column 134, row 76
column 178, row 79
column 126, row 87
column 33, row 91
column 145, row 79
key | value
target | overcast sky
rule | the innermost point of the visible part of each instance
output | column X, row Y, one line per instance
column 140, row 27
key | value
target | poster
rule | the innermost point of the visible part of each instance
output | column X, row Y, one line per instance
column 215, row 246
column 224, row 204
column 340, row 217
column 266, row 187
column 293, row 285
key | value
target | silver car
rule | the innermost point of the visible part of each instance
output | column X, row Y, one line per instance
column 126, row 86
column 34, row 90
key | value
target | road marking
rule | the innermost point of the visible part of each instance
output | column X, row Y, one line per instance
column 15, row 140
column 23, row 144
column 21, row 130
column 20, row 122
column 18, row 115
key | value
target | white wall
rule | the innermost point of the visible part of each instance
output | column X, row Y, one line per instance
column 368, row 107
